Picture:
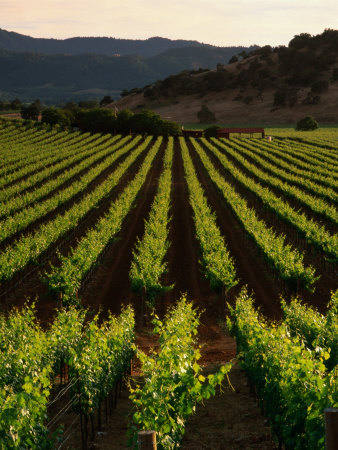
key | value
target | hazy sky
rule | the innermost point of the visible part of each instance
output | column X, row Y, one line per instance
column 219, row 22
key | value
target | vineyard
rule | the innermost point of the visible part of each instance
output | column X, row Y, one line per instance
column 101, row 231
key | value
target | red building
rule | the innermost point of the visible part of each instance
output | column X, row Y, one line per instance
column 225, row 132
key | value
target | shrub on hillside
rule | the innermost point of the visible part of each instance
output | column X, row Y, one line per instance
column 306, row 124
column 204, row 115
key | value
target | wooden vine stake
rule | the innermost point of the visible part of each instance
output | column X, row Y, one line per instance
column 147, row 440
column 331, row 428
column 224, row 298
column 60, row 295
column 144, row 306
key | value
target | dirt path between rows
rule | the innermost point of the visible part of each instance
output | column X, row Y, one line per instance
column 109, row 288
column 251, row 269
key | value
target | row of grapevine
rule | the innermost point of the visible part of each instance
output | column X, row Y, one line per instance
column 316, row 204
column 87, row 157
column 21, row 134
column 29, row 141
column 97, row 356
column 67, row 278
column 319, row 332
column 287, row 262
column 288, row 176
column 218, row 266
column 30, row 155
column 23, row 218
column 314, row 232
column 309, row 154
column 148, row 266
column 29, row 248
column 292, row 380
column 327, row 156
column 173, row 383
column 292, row 164
column 28, row 177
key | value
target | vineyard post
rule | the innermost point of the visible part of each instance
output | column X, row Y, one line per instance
column 224, row 298
column 60, row 299
column 144, row 306
column 147, row 440
column 82, row 421
column 331, row 428
column 99, row 425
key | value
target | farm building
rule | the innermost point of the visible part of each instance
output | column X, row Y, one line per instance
column 225, row 132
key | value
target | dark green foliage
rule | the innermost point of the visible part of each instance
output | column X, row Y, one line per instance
column 263, row 52
column 217, row 81
column 30, row 112
column 54, row 116
column 106, row 100
column 10, row 105
column 233, row 59
column 88, row 104
column 211, row 131
column 148, row 122
column 204, row 115
column 124, row 122
column 300, row 41
column 15, row 104
column 307, row 124
column 95, row 120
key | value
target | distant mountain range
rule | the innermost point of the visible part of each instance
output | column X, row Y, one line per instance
column 99, row 45
column 85, row 67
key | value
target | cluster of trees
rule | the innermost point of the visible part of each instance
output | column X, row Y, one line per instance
column 89, row 116
column 98, row 120
column 11, row 105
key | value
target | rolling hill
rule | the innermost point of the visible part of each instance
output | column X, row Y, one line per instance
column 265, row 86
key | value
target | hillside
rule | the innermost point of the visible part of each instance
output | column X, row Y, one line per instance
column 109, row 46
column 265, row 86
column 81, row 68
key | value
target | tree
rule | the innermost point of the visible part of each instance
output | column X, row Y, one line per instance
column 306, row 124
column 211, row 131
column 122, row 124
column 30, row 112
column 15, row 104
column 88, row 104
column 54, row 116
column 205, row 115
column 95, row 120
column 106, row 100
column 233, row 59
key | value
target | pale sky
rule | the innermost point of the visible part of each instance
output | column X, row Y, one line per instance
column 218, row 22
